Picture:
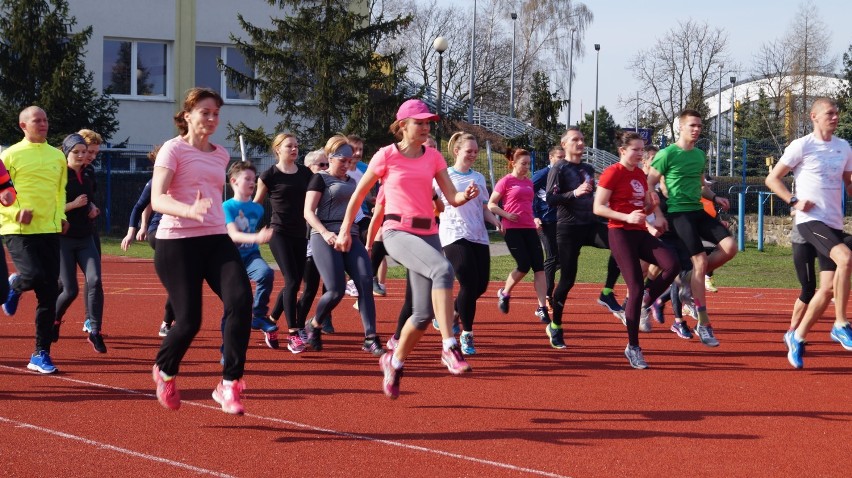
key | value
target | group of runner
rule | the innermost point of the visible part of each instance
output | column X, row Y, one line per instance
column 657, row 230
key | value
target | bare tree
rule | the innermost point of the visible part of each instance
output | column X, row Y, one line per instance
column 808, row 40
column 681, row 67
column 543, row 32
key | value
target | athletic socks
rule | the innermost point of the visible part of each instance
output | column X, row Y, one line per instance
column 449, row 343
column 703, row 318
column 396, row 363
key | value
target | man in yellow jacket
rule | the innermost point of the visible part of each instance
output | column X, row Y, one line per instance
column 31, row 226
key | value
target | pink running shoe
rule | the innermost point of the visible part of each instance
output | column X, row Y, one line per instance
column 167, row 392
column 392, row 344
column 454, row 361
column 229, row 397
column 390, row 385
column 295, row 344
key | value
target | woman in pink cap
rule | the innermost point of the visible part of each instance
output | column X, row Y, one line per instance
column 407, row 169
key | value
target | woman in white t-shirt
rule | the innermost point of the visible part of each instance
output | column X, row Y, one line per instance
column 464, row 237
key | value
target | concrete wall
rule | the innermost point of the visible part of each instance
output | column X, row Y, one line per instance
column 149, row 120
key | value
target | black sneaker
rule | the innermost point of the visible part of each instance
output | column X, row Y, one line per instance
column 557, row 340
column 314, row 335
column 611, row 303
column 502, row 301
column 542, row 315
column 373, row 345
column 97, row 341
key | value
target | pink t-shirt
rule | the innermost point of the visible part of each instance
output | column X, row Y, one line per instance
column 517, row 196
column 407, row 184
column 194, row 171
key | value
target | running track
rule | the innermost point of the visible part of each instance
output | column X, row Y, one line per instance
column 526, row 410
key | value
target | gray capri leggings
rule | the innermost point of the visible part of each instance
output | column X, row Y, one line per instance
column 80, row 251
column 333, row 266
column 428, row 269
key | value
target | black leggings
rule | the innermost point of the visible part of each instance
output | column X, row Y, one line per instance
column 311, row 282
column 547, row 235
column 378, row 255
column 472, row 263
column 572, row 238
column 183, row 265
column 525, row 248
column 289, row 253
column 628, row 248
column 169, row 313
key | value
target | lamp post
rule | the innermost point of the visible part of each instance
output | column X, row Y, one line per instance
column 597, row 69
column 570, row 77
column 440, row 45
column 733, row 80
column 719, row 124
column 472, row 63
column 512, row 76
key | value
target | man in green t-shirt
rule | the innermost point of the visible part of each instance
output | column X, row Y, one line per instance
column 682, row 165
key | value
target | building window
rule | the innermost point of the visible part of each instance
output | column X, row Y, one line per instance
column 135, row 68
column 207, row 73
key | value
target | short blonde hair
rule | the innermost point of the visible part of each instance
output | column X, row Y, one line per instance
column 280, row 138
column 91, row 137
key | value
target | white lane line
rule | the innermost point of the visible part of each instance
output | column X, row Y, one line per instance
column 314, row 428
column 107, row 446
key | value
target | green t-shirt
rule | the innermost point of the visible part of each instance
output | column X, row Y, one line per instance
column 683, row 171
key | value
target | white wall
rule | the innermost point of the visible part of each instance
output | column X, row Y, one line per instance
column 149, row 121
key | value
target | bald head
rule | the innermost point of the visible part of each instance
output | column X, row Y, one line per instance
column 33, row 122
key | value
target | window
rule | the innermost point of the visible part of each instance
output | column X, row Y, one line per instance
column 135, row 68
column 207, row 73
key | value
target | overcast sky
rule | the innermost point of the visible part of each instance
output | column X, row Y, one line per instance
column 623, row 28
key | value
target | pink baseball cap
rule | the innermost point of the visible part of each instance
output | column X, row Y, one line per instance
column 415, row 109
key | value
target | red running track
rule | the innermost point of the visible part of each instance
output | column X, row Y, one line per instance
column 526, row 410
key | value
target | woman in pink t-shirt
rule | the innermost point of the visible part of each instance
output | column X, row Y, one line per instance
column 410, row 234
column 515, row 191
column 622, row 197
column 193, row 247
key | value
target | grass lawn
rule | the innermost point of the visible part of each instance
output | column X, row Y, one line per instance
column 771, row 268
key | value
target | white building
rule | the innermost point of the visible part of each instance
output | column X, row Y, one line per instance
column 147, row 53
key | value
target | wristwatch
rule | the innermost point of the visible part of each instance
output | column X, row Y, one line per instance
column 793, row 201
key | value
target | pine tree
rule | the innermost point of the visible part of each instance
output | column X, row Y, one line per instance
column 607, row 130
column 544, row 111
column 41, row 63
column 318, row 70
column 844, row 100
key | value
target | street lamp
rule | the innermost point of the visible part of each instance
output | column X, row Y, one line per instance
column 597, row 69
column 733, row 80
column 512, row 81
column 472, row 63
column 570, row 77
column 440, row 45
column 719, row 123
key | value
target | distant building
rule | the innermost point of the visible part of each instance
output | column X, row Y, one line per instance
column 148, row 53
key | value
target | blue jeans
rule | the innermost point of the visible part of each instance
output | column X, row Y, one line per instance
column 259, row 272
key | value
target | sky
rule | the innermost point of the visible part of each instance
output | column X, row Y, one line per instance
column 623, row 28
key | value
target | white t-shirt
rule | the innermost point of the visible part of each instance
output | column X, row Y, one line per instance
column 818, row 167
column 466, row 221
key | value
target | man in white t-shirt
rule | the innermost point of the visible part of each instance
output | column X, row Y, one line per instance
column 822, row 167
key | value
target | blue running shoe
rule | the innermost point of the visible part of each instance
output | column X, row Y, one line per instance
column 657, row 312
column 843, row 335
column 466, row 340
column 795, row 349
column 264, row 324
column 682, row 330
column 40, row 362
column 435, row 324
column 456, row 325
column 11, row 304
column 87, row 326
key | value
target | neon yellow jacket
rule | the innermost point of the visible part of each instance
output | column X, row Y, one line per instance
column 39, row 173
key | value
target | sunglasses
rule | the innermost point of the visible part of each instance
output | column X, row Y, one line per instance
column 322, row 165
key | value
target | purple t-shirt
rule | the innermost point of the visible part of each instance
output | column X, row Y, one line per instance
column 517, row 196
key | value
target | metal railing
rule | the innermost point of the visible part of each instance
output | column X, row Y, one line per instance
column 499, row 124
